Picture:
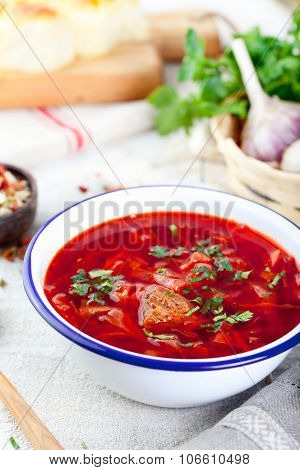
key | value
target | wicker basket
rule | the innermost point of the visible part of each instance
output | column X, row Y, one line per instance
column 252, row 178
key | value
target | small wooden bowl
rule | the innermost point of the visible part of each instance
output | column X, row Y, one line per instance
column 13, row 226
column 253, row 178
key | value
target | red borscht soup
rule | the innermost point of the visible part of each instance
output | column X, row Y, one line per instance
column 176, row 285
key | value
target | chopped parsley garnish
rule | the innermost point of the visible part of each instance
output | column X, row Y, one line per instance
column 215, row 326
column 241, row 317
column 188, row 345
column 14, row 444
column 95, row 297
column 276, row 279
column 94, row 285
column 161, row 270
column 102, row 273
column 177, row 251
column 206, row 274
column 174, row 230
column 205, row 287
column 203, row 243
column 267, row 294
column 193, row 310
column 213, row 250
column 214, row 305
column 80, row 276
column 163, row 252
column 170, row 293
column 223, row 264
column 198, row 300
column 209, row 250
column 152, row 335
column 80, row 288
column 187, row 290
column 159, row 251
column 239, row 275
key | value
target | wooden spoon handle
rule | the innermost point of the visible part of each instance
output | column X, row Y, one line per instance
column 32, row 426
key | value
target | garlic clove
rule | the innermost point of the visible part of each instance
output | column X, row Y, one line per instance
column 291, row 158
column 272, row 124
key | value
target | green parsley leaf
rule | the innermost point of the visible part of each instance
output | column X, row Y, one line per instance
column 101, row 273
column 187, row 290
column 14, row 444
column 239, row 275
column 218, row 318
column 80, row 276
column 188, row 345
column 161, row 337
column 267, row 294
column 223, row 264
column 95, row 297
column 240, row 317
column 214, row 304
column 276, row 279
column 207, row 274
column 203, row 243
column 80, row 289
column 174, row 230
column 198, row 300
column 161, row 270
column 163, row 96
column 170, row 293
column 177, row 251
column 193, row 310
column 214, row 326
column 159, row 251
column 163, row 252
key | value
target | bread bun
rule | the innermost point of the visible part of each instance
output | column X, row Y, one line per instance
column 101, row 25
column 27, row 26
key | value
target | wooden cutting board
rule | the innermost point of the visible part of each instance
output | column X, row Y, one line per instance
column 130, row 72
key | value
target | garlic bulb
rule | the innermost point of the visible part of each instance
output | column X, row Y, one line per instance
column 291, row 158
column 272, row 124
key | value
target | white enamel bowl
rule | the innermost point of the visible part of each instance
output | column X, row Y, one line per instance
column 151, row 380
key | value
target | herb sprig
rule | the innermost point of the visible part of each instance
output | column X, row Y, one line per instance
column 220, row 87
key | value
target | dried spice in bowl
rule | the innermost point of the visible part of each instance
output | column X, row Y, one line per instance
column 14, row 191
column 18, row 203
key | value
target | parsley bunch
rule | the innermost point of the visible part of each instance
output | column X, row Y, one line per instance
column 220, row 87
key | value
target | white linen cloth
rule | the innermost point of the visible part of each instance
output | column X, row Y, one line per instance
column 71, row 404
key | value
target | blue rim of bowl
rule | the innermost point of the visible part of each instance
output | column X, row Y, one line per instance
column 127, row 357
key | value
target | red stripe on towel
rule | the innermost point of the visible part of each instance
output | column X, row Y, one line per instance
column 79, row 137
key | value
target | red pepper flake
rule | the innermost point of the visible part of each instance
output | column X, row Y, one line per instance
column 16, row 251
column 83, row 188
